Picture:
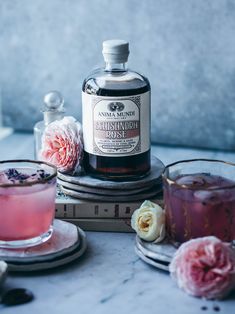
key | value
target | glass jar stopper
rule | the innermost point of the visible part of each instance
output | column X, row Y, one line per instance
column 53, row 107
column 54, row 101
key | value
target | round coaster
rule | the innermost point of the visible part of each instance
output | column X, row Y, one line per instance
column 105, row 192
column 65, row 238
column 3, row 272
column 115, row 198
column 163, row 251
column 154, row 263
column 154, row 177
column 156, row 254
column 67, row 243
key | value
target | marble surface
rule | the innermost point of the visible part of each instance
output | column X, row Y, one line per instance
column 109, row 278
column 186, row 48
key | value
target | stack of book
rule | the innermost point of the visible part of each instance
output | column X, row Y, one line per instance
column 98, row 216
column 101, row 205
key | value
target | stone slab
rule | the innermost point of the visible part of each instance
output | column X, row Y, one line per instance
column 106, row 192
column 154, row 177
column 155, row 263
column 115, row 198
column 3, row 272
column 65, row 238
column 52, row 264
column 163, row 251
column 158, row 255
column 67, row 243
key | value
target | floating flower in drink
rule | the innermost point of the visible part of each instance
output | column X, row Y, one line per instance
column 62, row 144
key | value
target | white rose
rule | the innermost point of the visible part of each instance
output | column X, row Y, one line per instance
column 149, row 222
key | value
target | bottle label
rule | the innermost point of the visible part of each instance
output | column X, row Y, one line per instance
column 116, row 126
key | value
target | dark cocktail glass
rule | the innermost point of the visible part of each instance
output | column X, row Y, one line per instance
column 199, row 198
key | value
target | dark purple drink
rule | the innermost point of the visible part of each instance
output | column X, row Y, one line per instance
column 198, row 205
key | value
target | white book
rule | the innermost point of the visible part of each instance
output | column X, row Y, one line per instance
column 70, row 208
column 99, row 224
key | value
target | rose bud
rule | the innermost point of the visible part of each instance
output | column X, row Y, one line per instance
column 149, row 222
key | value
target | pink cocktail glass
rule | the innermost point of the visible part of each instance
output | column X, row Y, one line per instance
column 199, row 199
column 27, row 202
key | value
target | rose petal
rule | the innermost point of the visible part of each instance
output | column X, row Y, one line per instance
column 62, row 144
column 204, row 267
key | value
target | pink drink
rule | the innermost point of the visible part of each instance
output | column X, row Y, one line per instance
column 200, row 205
column 27, row 204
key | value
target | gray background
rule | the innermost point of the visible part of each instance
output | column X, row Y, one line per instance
column 185, row 47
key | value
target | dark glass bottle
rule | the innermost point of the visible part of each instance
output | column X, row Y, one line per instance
column 116, row 118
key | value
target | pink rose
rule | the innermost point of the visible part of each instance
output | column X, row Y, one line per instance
column 204, row 267
column 62, row 144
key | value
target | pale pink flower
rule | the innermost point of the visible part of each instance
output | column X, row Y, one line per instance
column 62, row 144
column 204, row 267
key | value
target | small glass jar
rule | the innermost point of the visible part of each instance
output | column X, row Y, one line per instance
column 199, row 198
column 53, row 110
column 27, row 198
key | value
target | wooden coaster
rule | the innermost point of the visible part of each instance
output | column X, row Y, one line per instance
column 67, row 243
column 105, row 192
column 115, row 198
column 153, row 178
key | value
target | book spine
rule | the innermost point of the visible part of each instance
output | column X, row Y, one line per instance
column 109, row 225
column 73, row 209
